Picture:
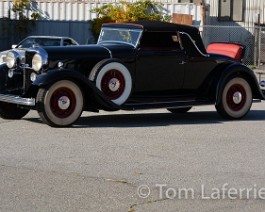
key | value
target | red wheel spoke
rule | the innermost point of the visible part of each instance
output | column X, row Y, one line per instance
column 231, row 94
column 57, row 111
column 113, row 84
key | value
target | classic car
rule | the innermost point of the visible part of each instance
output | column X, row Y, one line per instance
column 138, row 65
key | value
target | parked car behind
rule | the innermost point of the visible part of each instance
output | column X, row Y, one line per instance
column 139, row 65
column 31, row 41
column 45, row 41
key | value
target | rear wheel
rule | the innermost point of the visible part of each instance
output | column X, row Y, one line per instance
column 236, row 99
column 179, row 110
column 60, row 104
column 11, row 111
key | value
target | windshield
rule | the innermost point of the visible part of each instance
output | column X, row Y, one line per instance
column 128, row 36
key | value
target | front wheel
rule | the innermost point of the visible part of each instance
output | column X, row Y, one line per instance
column 60, row 104
column 236, row 99
column 11, row 111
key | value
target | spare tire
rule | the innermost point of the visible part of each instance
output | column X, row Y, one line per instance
column 113, row 79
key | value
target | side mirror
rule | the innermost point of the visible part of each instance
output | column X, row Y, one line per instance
column 13, row 46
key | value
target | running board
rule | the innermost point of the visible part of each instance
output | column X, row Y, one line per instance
column 17, row 100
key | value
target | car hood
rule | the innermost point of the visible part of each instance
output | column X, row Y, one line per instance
column 89, row 51
column 82, row 51
column 77, row 52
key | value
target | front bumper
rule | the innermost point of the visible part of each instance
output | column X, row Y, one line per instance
column 17, row 100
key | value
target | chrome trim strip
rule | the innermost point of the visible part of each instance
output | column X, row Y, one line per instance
column 184, row 33
column 114, row 41
column 17, row 100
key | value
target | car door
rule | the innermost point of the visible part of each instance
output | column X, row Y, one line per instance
column 198, row 67
column 159, row 64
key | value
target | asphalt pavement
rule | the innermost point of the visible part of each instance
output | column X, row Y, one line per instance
column 142, row 161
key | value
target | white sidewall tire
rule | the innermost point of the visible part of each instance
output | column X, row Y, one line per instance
column 240, row 113
column 78, row 108
column 97, row 75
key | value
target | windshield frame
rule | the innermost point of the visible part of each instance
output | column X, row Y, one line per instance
column 134, row 44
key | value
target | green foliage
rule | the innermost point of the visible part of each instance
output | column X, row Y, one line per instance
column 251, row 67
column 97, row 22
column 20, row 6
column 127, row 12
column 24, row 24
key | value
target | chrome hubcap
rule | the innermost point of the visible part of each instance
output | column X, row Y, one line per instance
column 114, row 84
column 63, row 102
column 237, row 97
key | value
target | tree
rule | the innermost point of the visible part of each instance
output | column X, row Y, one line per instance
column 127, row 12
column 19, row 7
column 24, row 23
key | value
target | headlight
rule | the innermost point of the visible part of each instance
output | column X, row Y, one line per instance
column 37, row 62
column 11, row 59
column 1, row 58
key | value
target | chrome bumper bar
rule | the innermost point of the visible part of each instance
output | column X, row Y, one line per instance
column 17, row 100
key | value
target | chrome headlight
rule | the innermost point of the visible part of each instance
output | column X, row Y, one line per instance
column 2, row 58
column 37, row 62
column 11, row 59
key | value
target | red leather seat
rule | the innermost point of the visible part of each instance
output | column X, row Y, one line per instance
column 235, row 51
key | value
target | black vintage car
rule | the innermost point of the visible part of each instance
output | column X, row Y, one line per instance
column 136, row 65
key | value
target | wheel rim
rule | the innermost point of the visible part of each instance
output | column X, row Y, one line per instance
column 236, row 97
column 63, row 102
column 113, row 84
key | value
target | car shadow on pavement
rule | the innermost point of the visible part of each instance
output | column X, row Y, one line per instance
column 135, row 119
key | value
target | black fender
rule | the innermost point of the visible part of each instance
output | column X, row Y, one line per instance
column 88, row 87
column 241, row 70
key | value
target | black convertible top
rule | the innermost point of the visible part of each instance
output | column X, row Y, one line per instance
column 159, row 26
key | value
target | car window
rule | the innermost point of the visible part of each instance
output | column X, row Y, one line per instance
column 49, row 42
column 29, row 42
column 160, row 40
column 68, row 42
